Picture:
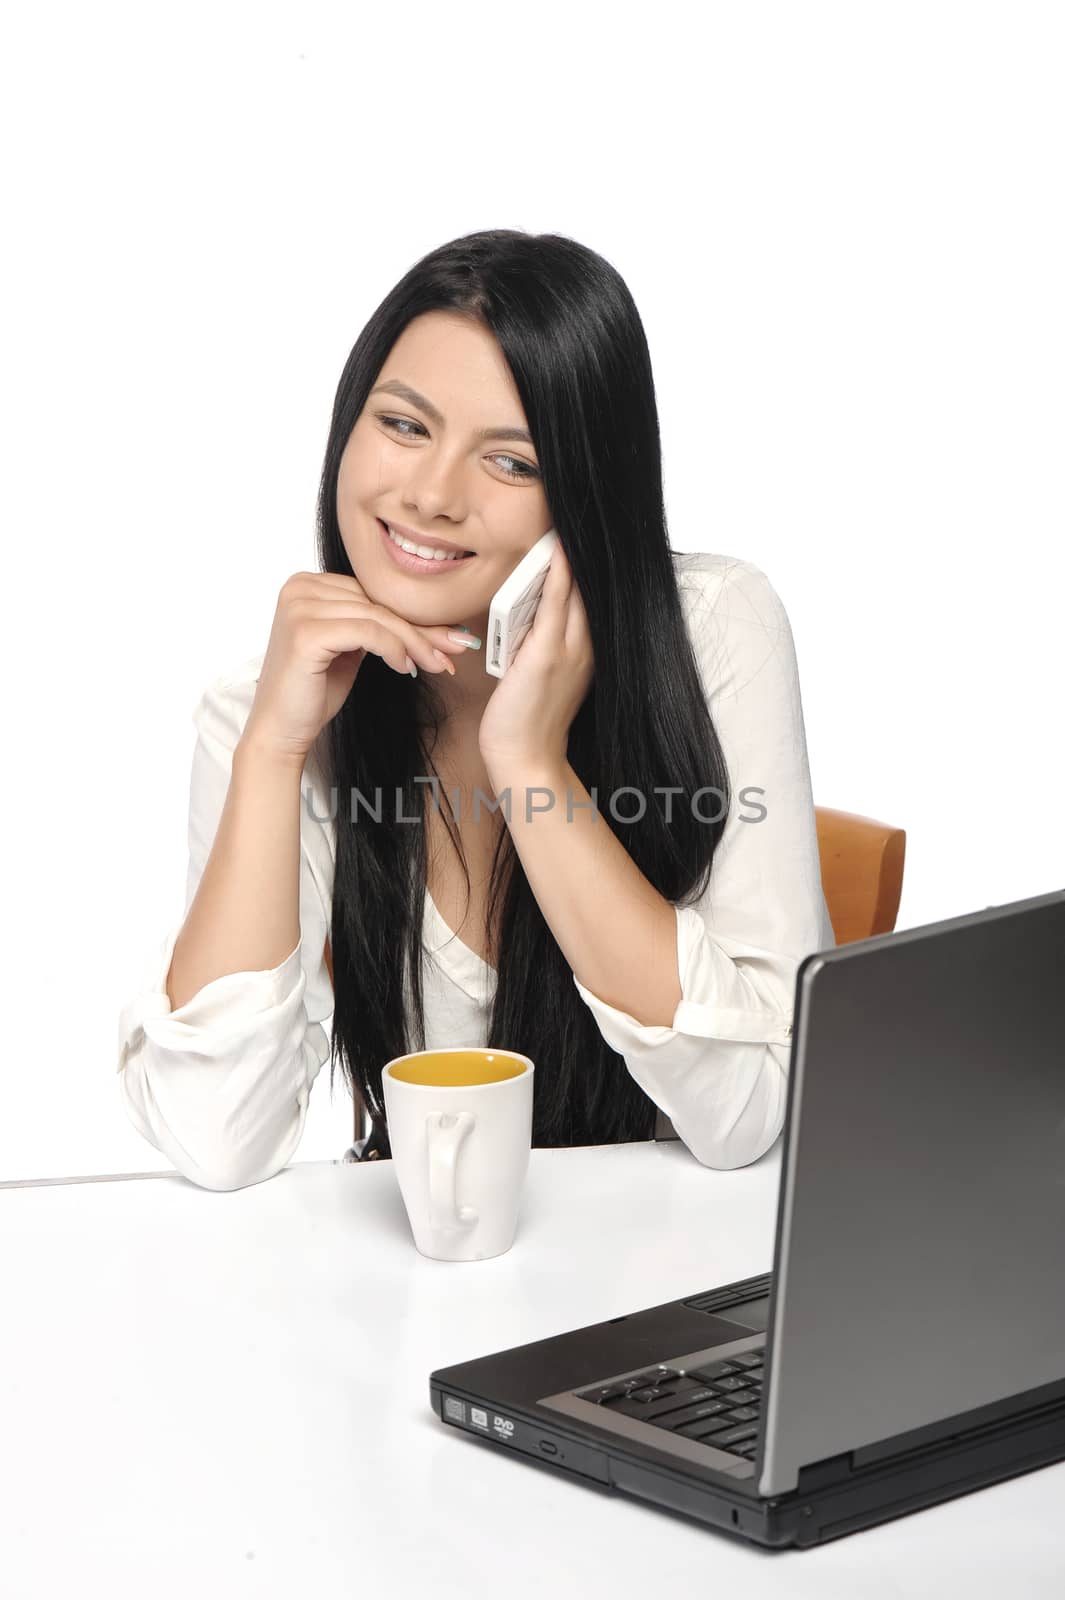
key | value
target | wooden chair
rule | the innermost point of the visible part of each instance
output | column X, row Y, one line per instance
column 861, row 872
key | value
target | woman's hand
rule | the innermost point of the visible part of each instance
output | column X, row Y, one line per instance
column 527, row 721
column 324, row 626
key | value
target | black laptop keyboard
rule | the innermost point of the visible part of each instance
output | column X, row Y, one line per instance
column 718, row 1403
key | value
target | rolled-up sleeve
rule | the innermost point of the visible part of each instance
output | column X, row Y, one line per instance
column 719, row 1072
column 221, row 1085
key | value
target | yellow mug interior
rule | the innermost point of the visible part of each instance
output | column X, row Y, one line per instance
column 457, row 1069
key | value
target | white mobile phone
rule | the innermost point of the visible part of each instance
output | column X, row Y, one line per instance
column 514, row 604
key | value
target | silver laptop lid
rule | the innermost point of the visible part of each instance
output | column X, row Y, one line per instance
column 920, row 1249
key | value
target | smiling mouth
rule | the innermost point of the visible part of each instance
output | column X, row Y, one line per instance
column 424, row 555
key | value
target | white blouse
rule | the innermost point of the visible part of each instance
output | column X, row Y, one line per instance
column 220, row 1086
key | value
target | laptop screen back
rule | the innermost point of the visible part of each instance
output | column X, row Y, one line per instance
column 920, row 1261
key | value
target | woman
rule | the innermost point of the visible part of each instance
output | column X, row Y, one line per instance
column 634, row 919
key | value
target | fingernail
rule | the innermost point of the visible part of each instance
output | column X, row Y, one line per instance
column 449, row 664
column 466, row 637
column 411, row 668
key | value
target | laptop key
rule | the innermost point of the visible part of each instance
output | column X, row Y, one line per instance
column 678, row 1419
column 747, row 1430
column 693, row 1396
column 602, row 1396
column 753, row 1358
column 744, row 1414
column 645, row 1396
column 676, row 1401
column 742, row 1397
column 712, row 1370
column 705, row 1430
column 732, row 1380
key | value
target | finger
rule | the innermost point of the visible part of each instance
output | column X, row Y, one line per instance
column 577, row 633
column 550, row 616
column 339, row 587
column 383, row 629
column 336, row 580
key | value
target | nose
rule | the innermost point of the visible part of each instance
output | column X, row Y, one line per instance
column 434, row 487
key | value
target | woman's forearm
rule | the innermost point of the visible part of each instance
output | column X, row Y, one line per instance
column 245, row 913
column 617, row 932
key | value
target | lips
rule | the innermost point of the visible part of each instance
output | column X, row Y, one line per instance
column 427, row 541
column 421, row 566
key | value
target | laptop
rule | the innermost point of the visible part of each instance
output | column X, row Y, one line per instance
column 909, row 1344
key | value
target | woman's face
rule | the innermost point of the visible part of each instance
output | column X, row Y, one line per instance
column 423, row 464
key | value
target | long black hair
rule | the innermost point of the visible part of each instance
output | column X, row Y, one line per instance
column 571, row 335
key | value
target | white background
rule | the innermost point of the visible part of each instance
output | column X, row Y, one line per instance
column 842, row 225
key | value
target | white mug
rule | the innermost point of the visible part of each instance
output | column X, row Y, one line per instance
column 460, row 1130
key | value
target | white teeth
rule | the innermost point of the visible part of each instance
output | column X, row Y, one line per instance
column 422, row 550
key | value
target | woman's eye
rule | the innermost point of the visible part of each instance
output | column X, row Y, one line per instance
column 396, row 423
column 516, row 469
column 520, row 469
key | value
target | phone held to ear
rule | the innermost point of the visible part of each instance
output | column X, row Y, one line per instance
column 514, row 604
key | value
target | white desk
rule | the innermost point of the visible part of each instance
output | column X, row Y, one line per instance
column 227, row 1394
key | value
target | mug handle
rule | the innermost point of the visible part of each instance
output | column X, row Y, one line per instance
column 444, row 1133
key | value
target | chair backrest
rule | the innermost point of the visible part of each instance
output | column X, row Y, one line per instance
column 861, row 872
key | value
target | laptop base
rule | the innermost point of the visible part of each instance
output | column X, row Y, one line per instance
column 847, row 1502
column 498, row 1400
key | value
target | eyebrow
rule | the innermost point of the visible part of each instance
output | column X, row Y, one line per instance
column 405, row 392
